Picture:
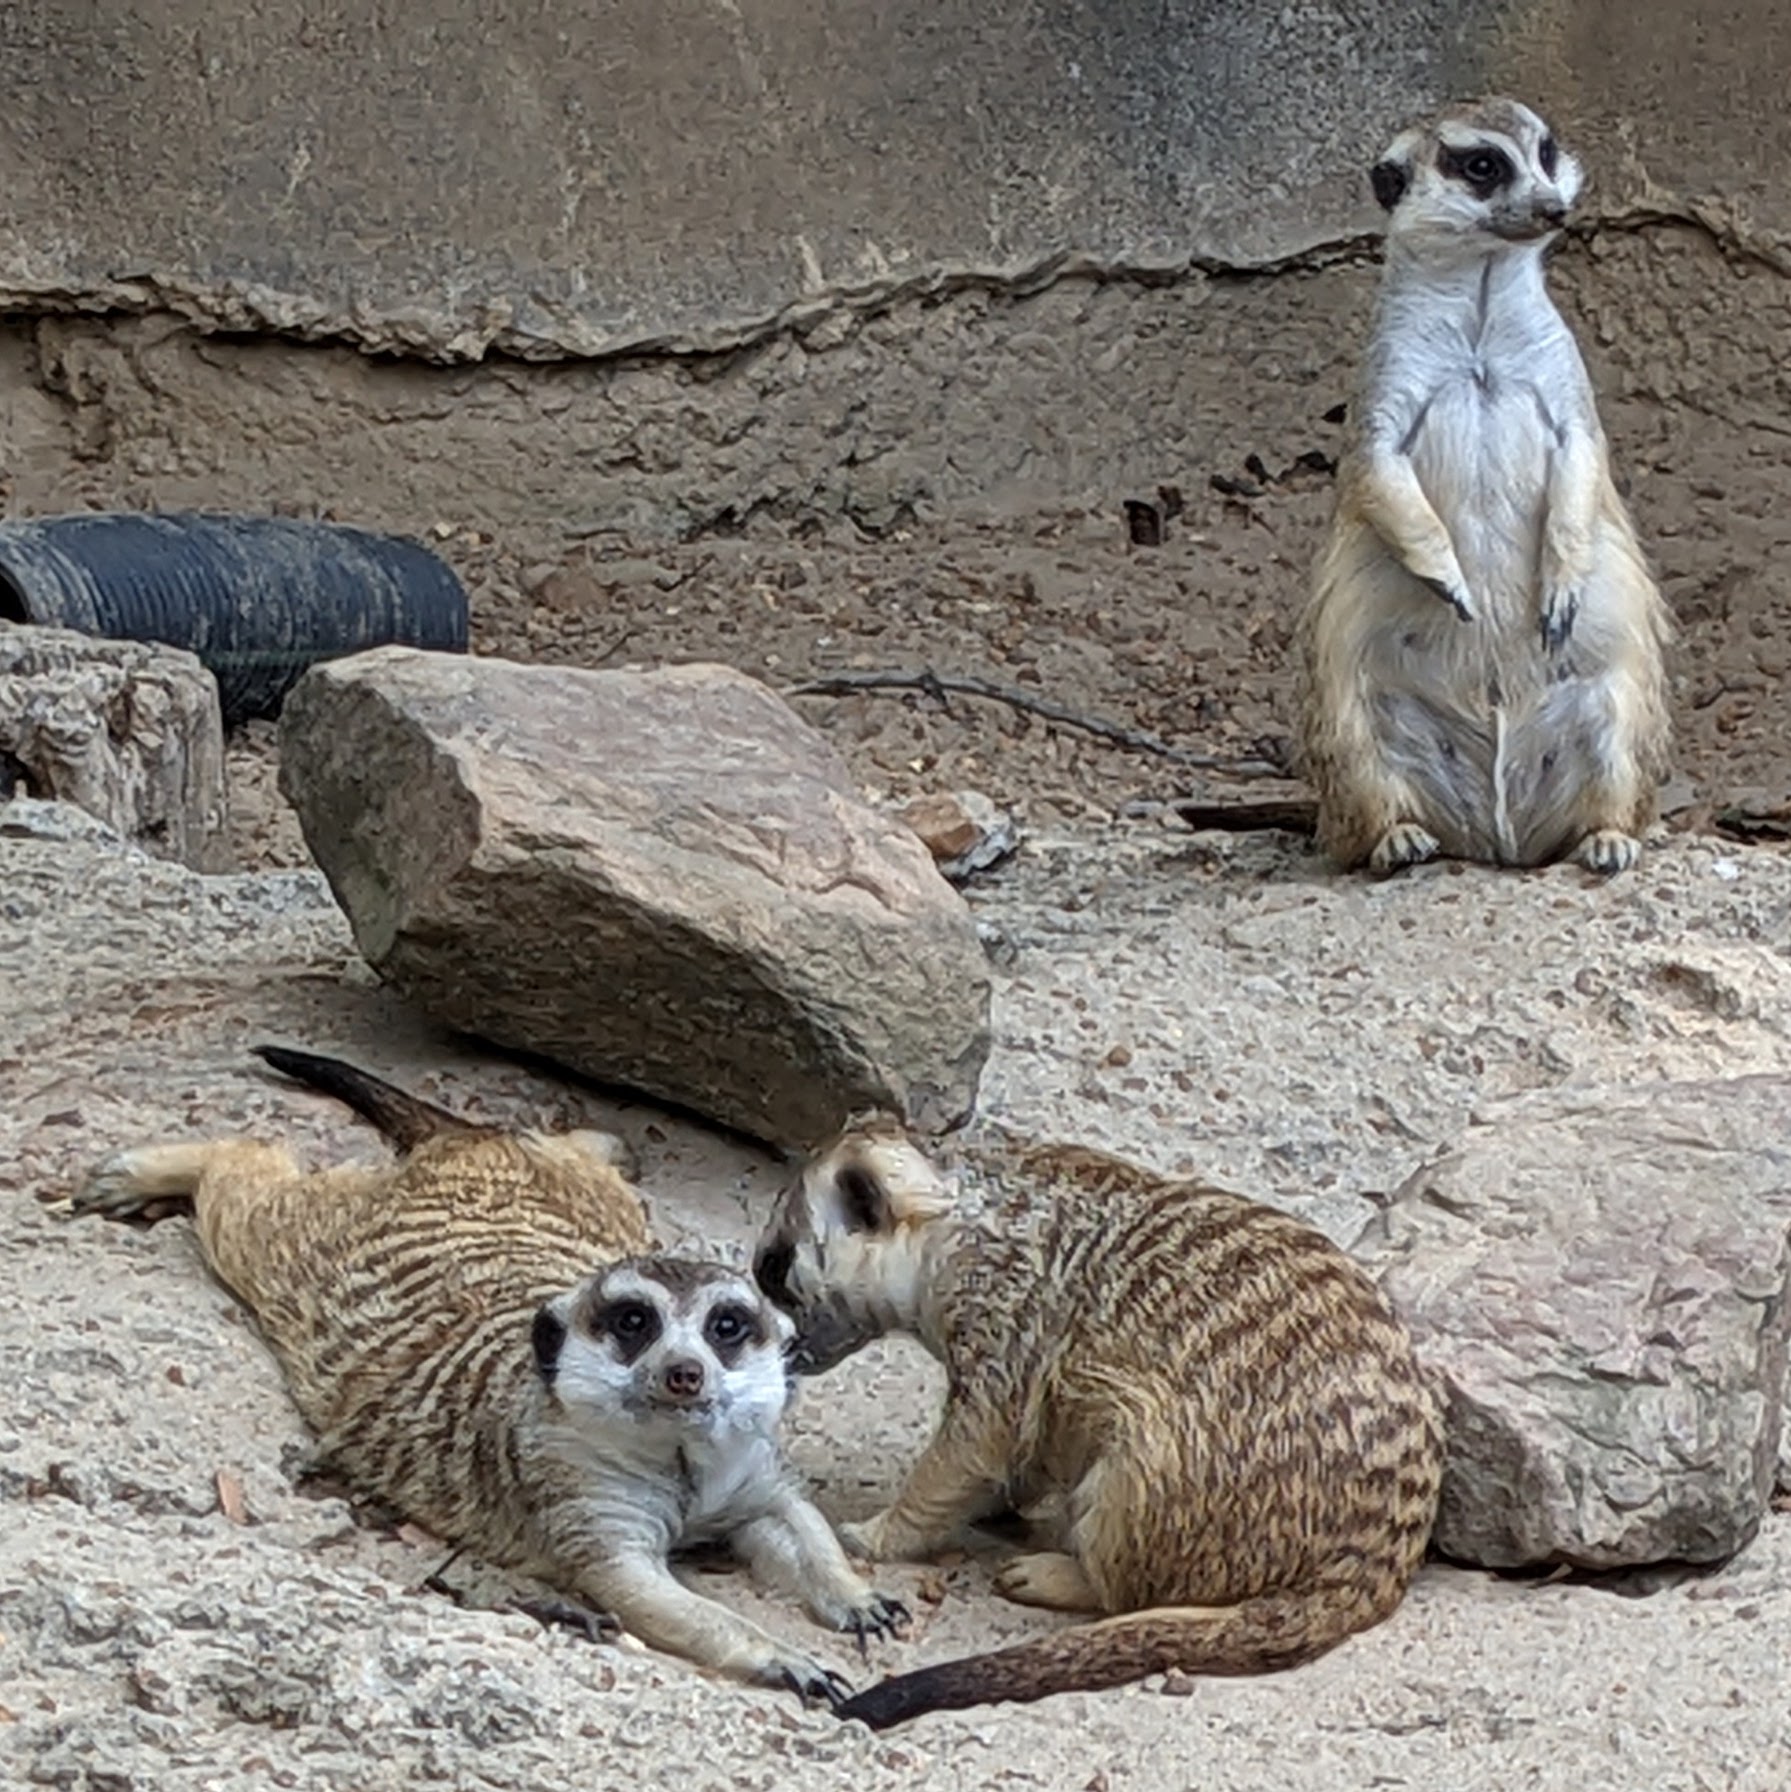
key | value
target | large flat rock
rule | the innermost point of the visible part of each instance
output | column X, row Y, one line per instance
column 662, row 879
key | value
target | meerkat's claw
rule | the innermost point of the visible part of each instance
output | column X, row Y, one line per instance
column 811, row 1683
column 880, row 1616
column 1608, row 851
column 567, row 1614
column 1560, row 610
column 1405, row 843
column 1455, row 596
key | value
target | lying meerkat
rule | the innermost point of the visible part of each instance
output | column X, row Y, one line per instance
column 1244, row 1448
column 477, row 1336
column 1482, row 652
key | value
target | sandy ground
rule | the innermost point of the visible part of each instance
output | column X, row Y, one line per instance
column 1192, row 999
column 1188, row 642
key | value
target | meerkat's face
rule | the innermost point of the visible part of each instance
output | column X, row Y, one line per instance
column 1475, row 178
column 844, row 1249
column 667, row 1339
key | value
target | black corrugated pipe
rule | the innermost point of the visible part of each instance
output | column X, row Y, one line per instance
column 257, row 598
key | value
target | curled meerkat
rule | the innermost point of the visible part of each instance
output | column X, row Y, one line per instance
column 1482, row 651
column 479, row 1336
column 1246, row 1454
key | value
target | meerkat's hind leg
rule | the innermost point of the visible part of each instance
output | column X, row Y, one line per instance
column 1575, row 781
column 607, row 1148
column 132, row 1184
column 586, row 1149
column 1052, row 1579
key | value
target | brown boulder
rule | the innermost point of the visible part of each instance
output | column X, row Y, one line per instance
column 663, row 879
column 1603, row 1281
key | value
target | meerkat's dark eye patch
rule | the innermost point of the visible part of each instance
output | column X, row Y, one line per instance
column 1548, row 153
column 631, row 1322
column 1389, row 180
column 1483, row 171
column 732, row 1328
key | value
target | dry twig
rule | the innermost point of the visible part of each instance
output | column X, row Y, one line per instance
column 941, row 688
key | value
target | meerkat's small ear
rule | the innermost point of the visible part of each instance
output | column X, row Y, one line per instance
column 1389, row 180
column 864, row 1201
column 549, row 1338
column 914, row 1189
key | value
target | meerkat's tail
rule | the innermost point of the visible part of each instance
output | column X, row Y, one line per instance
column 404, row 1119
column 1258, row 1636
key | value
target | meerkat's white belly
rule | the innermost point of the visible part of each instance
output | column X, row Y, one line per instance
column 1481, row 451
column 1497, row 737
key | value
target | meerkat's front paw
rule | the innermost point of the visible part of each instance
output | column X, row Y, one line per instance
column 877, row 1614
column 1608, row 851
column 812, row 1683
column 1560, row 609
column 553, row 1613
column 1404, row 843
column 1051, row 1579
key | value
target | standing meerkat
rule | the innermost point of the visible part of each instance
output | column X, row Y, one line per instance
column 477, row 1336
column 1245, row 1451
column 1482, row 653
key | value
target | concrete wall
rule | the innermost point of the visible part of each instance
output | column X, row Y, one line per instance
column 910, row 258
column 444, row 176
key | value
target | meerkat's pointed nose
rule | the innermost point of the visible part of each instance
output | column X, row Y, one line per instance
column 1552, row 212
column 682, row 1378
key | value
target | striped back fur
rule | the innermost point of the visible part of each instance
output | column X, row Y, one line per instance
column 400, row 1300
column 1250, row 1453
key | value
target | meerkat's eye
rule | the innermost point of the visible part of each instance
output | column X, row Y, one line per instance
column 1549, row 155
column 629, row 1320
column 1482, row 169
column 730, row 1326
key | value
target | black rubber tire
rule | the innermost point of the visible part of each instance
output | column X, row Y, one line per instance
column 257, row 598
